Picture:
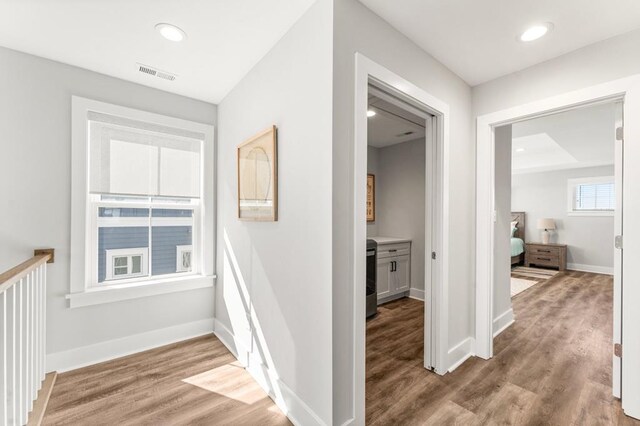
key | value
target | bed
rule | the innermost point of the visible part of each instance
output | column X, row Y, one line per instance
column 517, row 238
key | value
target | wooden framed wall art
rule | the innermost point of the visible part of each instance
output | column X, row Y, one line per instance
column 371, row 198
column 258, row 177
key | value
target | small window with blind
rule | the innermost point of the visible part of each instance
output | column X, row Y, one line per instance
column 592, row 196
column 144, row 195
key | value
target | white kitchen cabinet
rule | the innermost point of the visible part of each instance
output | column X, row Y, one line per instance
column 394, row 269
column 384, row 278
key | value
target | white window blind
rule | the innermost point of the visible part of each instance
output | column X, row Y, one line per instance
column 595, row 196
column 128, row 157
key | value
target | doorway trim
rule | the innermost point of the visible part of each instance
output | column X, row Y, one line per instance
column 627, row 89
column 436, row 271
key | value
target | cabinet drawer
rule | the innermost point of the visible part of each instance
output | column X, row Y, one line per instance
column 544, row 251
column 543, row 260
column 392, row 250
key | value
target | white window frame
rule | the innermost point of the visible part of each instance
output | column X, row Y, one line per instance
column 129, row 253
column 84, row 290
column 572, row 184
column 180, row 249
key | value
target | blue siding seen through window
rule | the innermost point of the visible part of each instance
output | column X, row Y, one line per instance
column 163, row 248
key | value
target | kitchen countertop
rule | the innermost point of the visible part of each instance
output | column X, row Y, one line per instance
column 390, row 240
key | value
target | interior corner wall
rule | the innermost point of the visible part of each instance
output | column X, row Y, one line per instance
column 502, row 230
column 35, row 171
column 357, row 29
column 273, row 294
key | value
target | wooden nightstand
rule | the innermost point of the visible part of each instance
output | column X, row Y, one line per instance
column 553, row 255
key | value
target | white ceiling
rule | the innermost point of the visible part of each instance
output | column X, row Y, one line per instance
column 392, row 125
column 577, row 138
column 477, row 39
column 225, row 38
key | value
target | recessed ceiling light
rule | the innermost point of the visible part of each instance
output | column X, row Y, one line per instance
column 520, row 150
column 371, row 113
column 535, row 32
column 171, row 32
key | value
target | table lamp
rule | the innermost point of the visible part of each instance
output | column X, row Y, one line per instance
column 546, row 225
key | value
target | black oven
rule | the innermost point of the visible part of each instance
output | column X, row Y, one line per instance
column 372, row 291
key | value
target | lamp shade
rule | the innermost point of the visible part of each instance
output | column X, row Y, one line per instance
column 546, row 224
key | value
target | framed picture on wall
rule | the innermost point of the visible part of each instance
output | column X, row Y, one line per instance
column 371, row 198
column 258, row 177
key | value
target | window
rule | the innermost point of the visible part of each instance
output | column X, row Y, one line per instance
column 183, row 258
column 126, row 263
column 142, row 203
column 591, row 196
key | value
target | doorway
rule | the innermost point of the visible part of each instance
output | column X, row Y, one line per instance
column 622, row 91
column 372, row 77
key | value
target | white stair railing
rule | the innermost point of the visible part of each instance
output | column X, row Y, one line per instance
column 23, row 291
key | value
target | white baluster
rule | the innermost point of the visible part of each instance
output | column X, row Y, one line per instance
column 32, row 370
column 21, row 357
column 12, row 364
column 4, row 419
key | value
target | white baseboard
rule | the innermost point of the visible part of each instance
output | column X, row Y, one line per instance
column 503, row 321
column 460, row 353
column 116, row 348
column 415, row 293
column 285, row 398
column 590, row 268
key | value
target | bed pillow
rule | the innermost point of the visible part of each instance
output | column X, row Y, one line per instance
column 513, row 231
column 514, row 224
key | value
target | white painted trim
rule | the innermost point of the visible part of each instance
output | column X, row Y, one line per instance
column 416, row 293
column 116, row 293
column 460, row 353
column 436, row 283
column 628, row 89
column 606, row 270
column 111, row 349
column 503, row 321
column 284, row 397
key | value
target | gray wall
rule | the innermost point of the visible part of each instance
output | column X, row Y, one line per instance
column 400, row 199
column 502, row 248
column 540, row 195
column 357, row 29
column 35, row 171
column 279, row 273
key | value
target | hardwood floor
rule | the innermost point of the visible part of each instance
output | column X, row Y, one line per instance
column 195, row 382
column 552, row 367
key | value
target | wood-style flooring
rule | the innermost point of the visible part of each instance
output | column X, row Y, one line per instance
column 551, row 367
column 196, row 382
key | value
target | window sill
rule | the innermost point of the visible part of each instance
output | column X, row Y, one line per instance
column 591, row 213
column 109, row 294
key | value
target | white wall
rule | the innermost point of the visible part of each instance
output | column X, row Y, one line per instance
column 400, row 199
column 35, row 171
column 598, row 63
column 279, row 273
column 541, row 195
column 357, row 29
column 502, row 229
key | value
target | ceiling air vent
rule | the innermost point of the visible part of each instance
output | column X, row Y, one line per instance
column 156, row 72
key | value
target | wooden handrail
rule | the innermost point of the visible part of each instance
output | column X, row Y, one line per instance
column 13, row 275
